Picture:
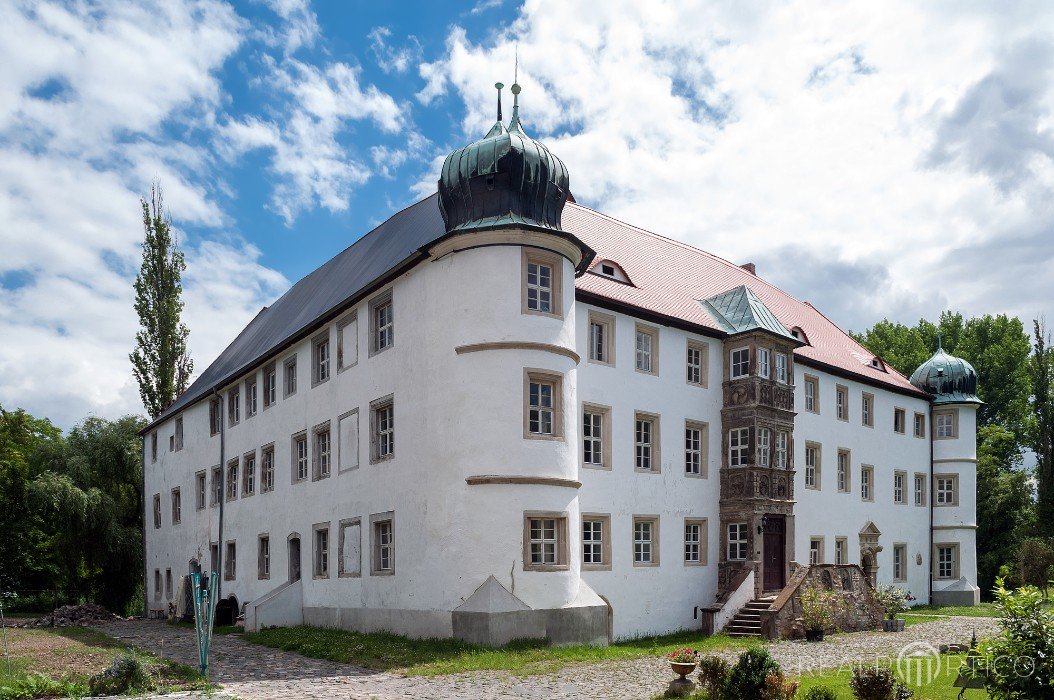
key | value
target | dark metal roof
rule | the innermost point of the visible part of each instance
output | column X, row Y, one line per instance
column 947, row 378
column 370, row 262
column 739, row 310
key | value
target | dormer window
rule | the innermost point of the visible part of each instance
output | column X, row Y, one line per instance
column 608, row 270
column 799, row 334
column 612, row 270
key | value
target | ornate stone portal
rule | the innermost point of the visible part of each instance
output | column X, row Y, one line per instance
column 869, row 549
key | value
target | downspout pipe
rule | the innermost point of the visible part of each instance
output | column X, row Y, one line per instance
column 930, row 498
column 223, row 493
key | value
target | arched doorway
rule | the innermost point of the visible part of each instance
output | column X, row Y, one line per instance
column 294, row 557
column 867, row 563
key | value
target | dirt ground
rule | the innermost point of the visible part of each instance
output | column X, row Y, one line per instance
column 74, row 650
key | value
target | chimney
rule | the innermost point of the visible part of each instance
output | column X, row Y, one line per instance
column 749, row 267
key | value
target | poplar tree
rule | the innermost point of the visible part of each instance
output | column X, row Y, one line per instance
column 160, row 361
column 1043, row 407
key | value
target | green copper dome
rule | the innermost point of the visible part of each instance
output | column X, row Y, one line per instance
column 504, row 179
column 947, row 378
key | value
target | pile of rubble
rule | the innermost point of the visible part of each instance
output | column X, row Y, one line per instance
column 74, row 615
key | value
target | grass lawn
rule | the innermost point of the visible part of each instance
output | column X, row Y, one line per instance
column 429, row 657
column 59, row 661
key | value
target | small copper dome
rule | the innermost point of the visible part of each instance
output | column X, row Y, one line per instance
column 947, row 378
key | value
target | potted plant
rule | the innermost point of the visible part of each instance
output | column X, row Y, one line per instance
column 683, row 661
column 893, row 601
column 817, row 612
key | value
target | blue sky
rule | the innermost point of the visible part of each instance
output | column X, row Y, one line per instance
column 889, row 160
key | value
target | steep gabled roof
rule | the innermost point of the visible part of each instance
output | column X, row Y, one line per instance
column 740, row 311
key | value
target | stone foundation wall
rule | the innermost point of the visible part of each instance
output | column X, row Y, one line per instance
column 856, row 608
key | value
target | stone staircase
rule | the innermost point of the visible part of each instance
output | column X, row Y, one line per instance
column 747, row 622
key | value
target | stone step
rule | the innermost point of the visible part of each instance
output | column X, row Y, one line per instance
column 733, row 627
column 744, row 635
column 748, row 617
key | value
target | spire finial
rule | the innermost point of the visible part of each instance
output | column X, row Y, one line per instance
column 940, row 345
column 499, row 86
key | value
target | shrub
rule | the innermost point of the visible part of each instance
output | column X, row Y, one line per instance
column 778, row 688
column 37, row 685
column 126, row 674
column 819, row 692
column 1035, row 557
column 893, row 600
column 713, row 671
column 817, row 608
column 877, row 683
column 747, row 677
column 1019, row 663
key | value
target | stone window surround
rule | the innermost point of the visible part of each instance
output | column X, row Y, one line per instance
column 267, row 449
column 954, row 478
column 818, row 467
column 605, row 435
column 320, row 569
column 557, row 380
column 216, row 492
column 813, row 381
column 157, row 511
column 168, row 584
column 903, row 548
column 562, row 540
column 317, row 341
column 177, row 505
column 844, row 542
column 868, row 469
column 732, row 352
column 325, row 427
column 289, row 387
column 294, row 440
column 541, row 256
column 263, row 563
column 270, row 370
column 605, row 541
column 215, row 415
column 375, row 520
column 201, row 490
column 704, row 362
column 743, row 438
column 917, row 423
column 955, row 424
column 903, row 474
column 821, row 557
column 153, row 446
column 608, row 323
column 937, row 546
column 178, row 435
column 245, row 473
column 704, row 537
column 232, row 484
column 920, row 477
column 654, row 520
column 157, row 584
column 744, row 543
column 342, row 527
column 345, row 321
column 230, row 561
column 252, row 389
column 656, row 441
column 840, row 390
column 848, row 469
column 234, row 400
column 653, row 332
column 384, row 298
column 763, row 366
column 375, row 444
column 867, row 417
column 704, row 448
column 903, row 415
column 353, row 415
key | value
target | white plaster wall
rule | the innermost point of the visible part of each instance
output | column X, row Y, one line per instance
column 959, row 524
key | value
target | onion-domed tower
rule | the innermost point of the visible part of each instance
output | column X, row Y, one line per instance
column 952, row 382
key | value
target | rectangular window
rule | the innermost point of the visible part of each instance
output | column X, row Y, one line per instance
column 646, row 442
column 694, row 542
column 539, row 287
column 153, row 446
column 179, row 433
column 646, row 540
column 596, row 436
column 320, row 359
column 217, row 486
column 900, row 559
column 782, row 375
column 157, row 584
column 601, row 338
column 267, row 469
column 321, row 550
column 543, row 404
column 350, row 562
column 263, row 557
column 647, row 349
column 383, row 544
column 899, row 487
column 737, row 542
column 841, row 550
column 270, row 388
column 214, row 557
column 947, row 425
column 299, row 457
column 215, row 416
column 348, row 437
column 232, row 479
column 382, row 323
column 816, row 550
column 234, row 407
column 841, row 402
column 249, row 474
column 738, row 446
column 347, row 342
column 250, row 397
column 289, row 372
column 322, row 452
column 230, row 560
column 812, row 466
column 782, row 440
column 697, row 362
column 596, row 542
column 200, row 490
column 867, row 410
column 764, row 447
column 177, row 506
column 920, row 489
column 739, row 363
column 382, row 417
column 900, row 421
column 695, row 448
column 812, row 390
column 843, row 471
column 867, row 480
column 157, row 511
column 545, row 542
column 764, row 363
column 168, row 583
column 947, row 561
column 920, row 425
column 946, row 491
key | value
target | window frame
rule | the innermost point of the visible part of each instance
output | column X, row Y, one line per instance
column 234, row 407
column 263, row 556
column 294, row 457
column 703, row 348
column 321, row 555
column 342, row 354
column 919, row 495
column 704, row 536
column 818, row 541
column 867, row 409
column 248, row 476
column 956, row 561
column 232, row 491
column 270, row 393
column 937, row 492
column 201, row 489
column 560, row 542
column 654, row 446
column 841, row 550
column 903, row 475
column 816, row 466
column 178, row 433
column 290, row 378
column 606, row 322
column 342, row 528
column 919, row 422
column 216, row 491
column 376, row 304
column 605, row 541
column 321, row 358
column 352, row 417
column 652, row 332
column 252, row 397
column 764, row 362
column 782, row 450
column 267, row 472
column 704, row 448
column 739, row 446
column 869, row 470
column 811, row 382
column 544, row 376
column 382, row 439
column 176, row 501
column 742, row 541
column 157, row 511
column 900, row 548
column 846, row 485
column 230, row 560
column 841, row 410
column 323, row 429
column 377, row 521
column 653, row 541
column 763, row 454
column 734, row 365
column 901, row 415
column 216, row 417
column 782, row 369
column 604, row 412
column 538, row 256
column 954, row 427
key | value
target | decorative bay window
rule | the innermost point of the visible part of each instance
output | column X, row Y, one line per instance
column 738, row 447
column 782, row 440
column 764, row 363
column 764, row 447
column 781, row 368
column 739, row 363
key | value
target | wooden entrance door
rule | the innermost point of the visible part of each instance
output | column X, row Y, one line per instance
column 774, row 559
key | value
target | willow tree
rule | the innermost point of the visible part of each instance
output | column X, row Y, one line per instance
column 160, row 361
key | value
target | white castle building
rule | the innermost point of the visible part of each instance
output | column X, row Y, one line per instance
column 501, row 414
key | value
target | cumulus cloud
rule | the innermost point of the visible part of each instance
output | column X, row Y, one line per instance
column 393, row 59
column 299, row 27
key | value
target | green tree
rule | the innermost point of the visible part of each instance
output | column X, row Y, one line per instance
column 160, row 362
column 89, row 490
column 1043, row 428
column 1005, row 513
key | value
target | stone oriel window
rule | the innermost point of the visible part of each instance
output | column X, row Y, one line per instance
column 545, row 541
column 646, row 442
column 645, row 540
column 947, row 424
column 382, row 323
column 596, row 542
column 739, row 363
column 697, row 362
column 738, row 447
column 601, row 338
column 764, row 455
column 782, row 368
column 946, row 489
column 782, row 448
column 596, row 436
column 646, row 349
column 696, row 448
column 542, row 283
column 695, row 540
column 543, row 414
column 764, row 363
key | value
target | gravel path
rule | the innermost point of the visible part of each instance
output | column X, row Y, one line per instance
column 252, row 672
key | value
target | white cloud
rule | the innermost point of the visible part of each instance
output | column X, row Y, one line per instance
column 299, row 25
column 389, row 58
column 894, row 140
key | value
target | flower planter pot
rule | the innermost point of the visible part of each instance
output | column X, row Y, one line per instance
column 683, row 669
column 814, row 635
column 893, row 625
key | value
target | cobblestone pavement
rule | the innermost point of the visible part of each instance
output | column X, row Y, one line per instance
column 251, row 672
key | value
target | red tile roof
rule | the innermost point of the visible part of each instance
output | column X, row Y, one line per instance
column 670, row 277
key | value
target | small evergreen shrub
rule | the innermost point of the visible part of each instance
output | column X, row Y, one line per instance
column 713, row 670
column 819, row 692
column 877, row 683
column 126, row 674
column 747, row 677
